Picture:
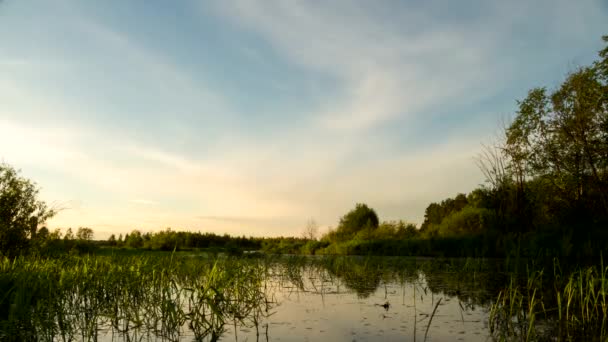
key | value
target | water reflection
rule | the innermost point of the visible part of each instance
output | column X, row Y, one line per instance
column 381, row 298
column 278, row 299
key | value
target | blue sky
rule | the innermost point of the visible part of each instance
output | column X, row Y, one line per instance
column 251, row 117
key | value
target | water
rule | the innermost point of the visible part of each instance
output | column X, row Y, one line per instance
column 340, row 314
column 189, row 297
column 355, row 299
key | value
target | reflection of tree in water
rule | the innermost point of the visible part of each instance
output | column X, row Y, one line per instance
column 477, row 289
column 473, row 283
column 357, row 274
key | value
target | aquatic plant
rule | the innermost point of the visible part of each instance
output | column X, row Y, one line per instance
column 573, row 307
column 81, row 297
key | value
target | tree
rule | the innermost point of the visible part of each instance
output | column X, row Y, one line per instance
column 435, row 213
column 558, row 143
column 43, row 233
column 602, row 65
column 84, row 234
column 135, row 239
column 311, row 230
column 112, row 240
column 561, row 137
column 55, row 235
column 21, row 212
column 362, row 217
column 68, row 234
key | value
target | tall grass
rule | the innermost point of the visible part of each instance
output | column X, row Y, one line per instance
column 572, row 307
column 172, row 297
column 82, row 297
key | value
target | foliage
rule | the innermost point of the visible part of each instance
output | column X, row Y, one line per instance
column 84, row 234
column 360, row 218
column 436, row 212
column 21, row 212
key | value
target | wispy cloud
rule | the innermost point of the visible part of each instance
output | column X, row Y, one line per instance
column 386, row 104
column 383, row 73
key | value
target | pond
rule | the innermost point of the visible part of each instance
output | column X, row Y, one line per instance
column 353, row 299
column 328, row 309
column 193, row 297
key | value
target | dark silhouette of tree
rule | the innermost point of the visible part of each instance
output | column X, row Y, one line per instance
column 21, row 212
column 84, row 234
column 69, row 235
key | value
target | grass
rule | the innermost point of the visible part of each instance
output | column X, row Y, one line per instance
column 160, row 295
column 571, row 307
column 80, row 297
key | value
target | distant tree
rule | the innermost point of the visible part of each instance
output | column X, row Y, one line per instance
column 68, row 234
column 112, row 240
column 406, row 230
column 55, row 235
column 311, row 230
column 21, row 212
column 84, row 234
column 43, row 233
column 362, row 217
column 436, row 212
column 135, row 239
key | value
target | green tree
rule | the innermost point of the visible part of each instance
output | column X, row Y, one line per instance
column 436, row 212
column 556, row 152
column 602, row 65
column 360, row 218
column 84, row 234
column 561, row 137
column 21, row 212
column 134, row 239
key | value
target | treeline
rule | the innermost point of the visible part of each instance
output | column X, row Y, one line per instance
column 46, row 242
column 169, row 240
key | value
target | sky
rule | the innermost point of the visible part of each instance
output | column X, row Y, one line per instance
column 252, row 117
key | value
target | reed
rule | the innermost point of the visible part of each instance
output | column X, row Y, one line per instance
column 568, row 308
column 81, row 297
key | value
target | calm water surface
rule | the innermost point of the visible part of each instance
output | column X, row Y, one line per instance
column 340, row 314
column 385, row 300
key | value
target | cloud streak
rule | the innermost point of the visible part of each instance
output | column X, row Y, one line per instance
column 352, row 102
